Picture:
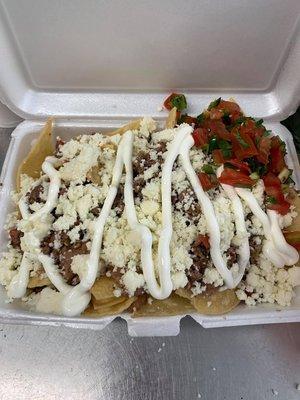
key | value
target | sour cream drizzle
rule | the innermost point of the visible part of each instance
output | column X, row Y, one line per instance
column 209, row 213
column 18, row 285
column 275, row 248
column 241, row 230
column 75, row 299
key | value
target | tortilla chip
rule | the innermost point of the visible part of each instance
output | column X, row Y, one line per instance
column 215, row 302
column 103, row 289
column 97, row 304
column 172, row 118
column 135, row 124
column 173, row 305
column 186, row 294
column 36, row 281
column 42, row 148
column 109, row 310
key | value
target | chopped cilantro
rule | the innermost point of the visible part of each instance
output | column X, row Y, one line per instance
column 212, row 144
column 259, row 123
column 240, row 121
column 267, row 133
column 179, row 101
column 256, row 166
column 283, row 147
column 200, row 118
column 226, row 118
column 225, row 148
column 271, row 200
column 214, row 103
column 208, row 169
column 241, row 141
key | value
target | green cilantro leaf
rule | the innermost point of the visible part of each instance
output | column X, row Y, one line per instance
column 212, row 144
column 259, row 123
column 214, row 103
column 208, row 169
column 200, row 118
column 179, row 102
column 271, row 200
column 225, row 148
column 241, row 141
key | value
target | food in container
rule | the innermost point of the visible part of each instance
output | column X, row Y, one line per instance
column 193, row 217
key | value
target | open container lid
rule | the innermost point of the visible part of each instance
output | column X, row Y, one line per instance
column 116, row 59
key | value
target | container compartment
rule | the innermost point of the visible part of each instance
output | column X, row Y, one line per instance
column 22, row 138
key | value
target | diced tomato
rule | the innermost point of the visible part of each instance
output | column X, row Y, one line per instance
column 200, row 136
column 275, row 193
column 282, row 208
column 216, row 114
column 236, row 178
column 206, row 181
column 168, row 102
column 188, row 119
column 275, row 197
column 217, row 128
column 293, row 238
column 229, row 106
column 264, row 146
column 218, row 157
column 202, row 240
column 277, row 161
column 240, row 165
column 271, row 180
column 248, row 127
column 242, row 144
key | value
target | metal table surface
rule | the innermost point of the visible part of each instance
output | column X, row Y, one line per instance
column 240, row 363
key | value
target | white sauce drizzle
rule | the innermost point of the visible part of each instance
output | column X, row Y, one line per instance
column 76, row 299
column 275, row 248
column 18, row 285
column 240, row 225
column 209, row 213
column 164, row 289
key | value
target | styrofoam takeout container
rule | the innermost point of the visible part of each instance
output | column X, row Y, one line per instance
column 95, row 65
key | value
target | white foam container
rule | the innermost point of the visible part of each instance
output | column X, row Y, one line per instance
column 95, row 65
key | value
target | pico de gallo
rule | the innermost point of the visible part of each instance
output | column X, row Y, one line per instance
column 243, row 145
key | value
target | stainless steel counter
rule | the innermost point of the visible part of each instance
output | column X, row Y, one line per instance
column 246, row 363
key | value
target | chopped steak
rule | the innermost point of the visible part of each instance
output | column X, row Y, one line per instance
column 201, row 259
column 194, row 211
column 138, row 303
column 95, row 211
column 64, row 255
column 59, row 142
column 62, row 191
column 15, row 238
column 161, row 149
column 232, row 256
column 119, row 201
column 255, row 250
column 141, row 163
column 115, row 273
column 138, row 184
column 35, row 195
column 179, row 200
